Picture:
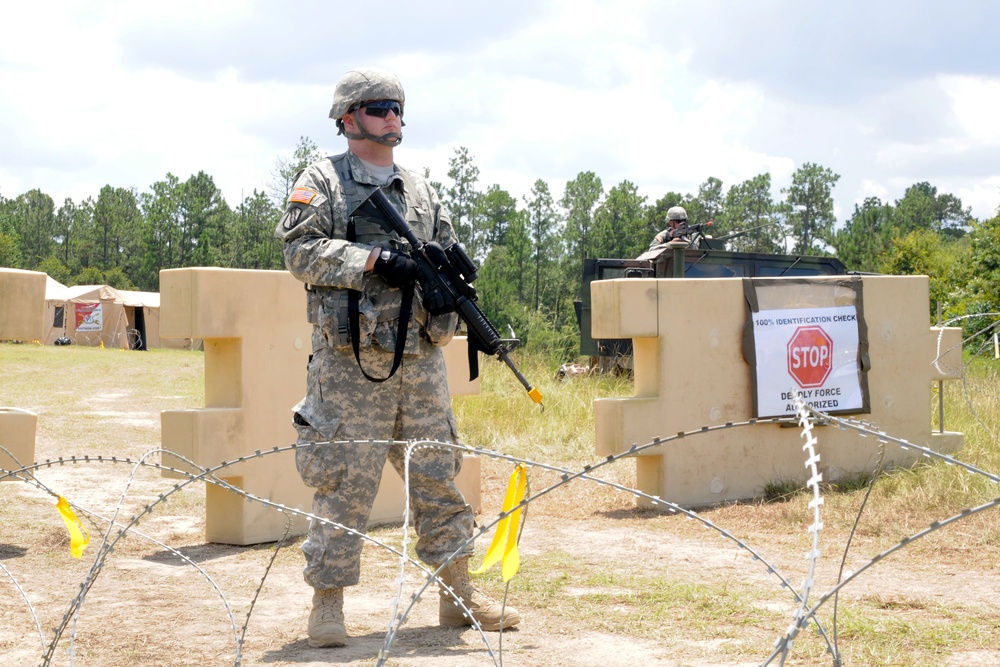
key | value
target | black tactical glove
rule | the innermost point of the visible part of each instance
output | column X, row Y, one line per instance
column 436, row 300
column 395, row 267
column 435, row 253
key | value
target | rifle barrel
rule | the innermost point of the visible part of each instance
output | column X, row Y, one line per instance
column 533, row 393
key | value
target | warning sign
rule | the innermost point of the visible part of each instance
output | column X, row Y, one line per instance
column 809, row 352
column 810, row 356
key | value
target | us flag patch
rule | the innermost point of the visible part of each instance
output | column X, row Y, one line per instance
column 302, row 195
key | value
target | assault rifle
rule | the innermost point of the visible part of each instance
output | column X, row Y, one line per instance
column 451, row 274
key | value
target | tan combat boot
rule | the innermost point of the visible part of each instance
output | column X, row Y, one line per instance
column 326, row 621
column 485, row 609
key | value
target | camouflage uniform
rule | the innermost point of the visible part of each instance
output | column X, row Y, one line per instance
column 340, row 403
column 662, row 237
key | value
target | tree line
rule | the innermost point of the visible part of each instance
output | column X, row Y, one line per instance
column 530, row 251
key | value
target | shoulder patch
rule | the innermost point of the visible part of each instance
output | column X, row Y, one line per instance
column 302, row 195
column 291, row 218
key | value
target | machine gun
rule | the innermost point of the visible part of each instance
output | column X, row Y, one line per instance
column 451, row 273
column 696, row 237
column 719, row 243
column 693, row 234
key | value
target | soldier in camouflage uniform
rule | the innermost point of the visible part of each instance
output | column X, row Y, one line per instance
column 676, row 219
column 334, row 248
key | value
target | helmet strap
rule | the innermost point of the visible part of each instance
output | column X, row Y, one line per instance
column 390, row 139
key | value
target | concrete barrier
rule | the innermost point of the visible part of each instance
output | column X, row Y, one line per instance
column 257, row 344
column 690, row 373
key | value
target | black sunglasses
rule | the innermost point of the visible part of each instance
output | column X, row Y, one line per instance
column 381, row 108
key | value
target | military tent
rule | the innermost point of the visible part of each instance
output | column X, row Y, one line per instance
column 100, row 314
column 55, row 310
column 95, row 315
column 142, row 311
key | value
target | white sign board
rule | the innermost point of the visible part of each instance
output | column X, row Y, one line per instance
column 812, row 352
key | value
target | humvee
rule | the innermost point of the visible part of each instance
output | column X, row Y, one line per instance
column 703, row 257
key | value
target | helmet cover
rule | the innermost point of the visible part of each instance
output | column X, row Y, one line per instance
column 676, row 213
column 365, row 84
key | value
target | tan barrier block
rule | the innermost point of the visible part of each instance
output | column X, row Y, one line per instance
column 692, row 374
column 22, row 305
column 17, row 435
column 257, row 343
column 22, row 317
column 456, row 360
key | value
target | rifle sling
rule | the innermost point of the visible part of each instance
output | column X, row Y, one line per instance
column 355, row 329
column 353, row 296
column 473, row 358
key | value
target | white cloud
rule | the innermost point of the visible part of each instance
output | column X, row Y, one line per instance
column 983, row 196
column 871, row 189
column 663, row 94
column 975, row 100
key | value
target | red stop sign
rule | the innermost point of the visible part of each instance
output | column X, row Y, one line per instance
column 810, row 356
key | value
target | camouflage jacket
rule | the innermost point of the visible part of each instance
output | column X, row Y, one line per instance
column 314, row 229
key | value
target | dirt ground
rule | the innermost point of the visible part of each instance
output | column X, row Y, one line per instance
column 601, row 584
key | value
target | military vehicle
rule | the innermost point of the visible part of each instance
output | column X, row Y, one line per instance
column 703, row 257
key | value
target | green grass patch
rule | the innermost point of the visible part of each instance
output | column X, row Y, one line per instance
column 94, row 401
column 881, row 634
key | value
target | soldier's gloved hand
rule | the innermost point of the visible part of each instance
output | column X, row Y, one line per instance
column 435, row 253
column 436, row 300
column 395, row 267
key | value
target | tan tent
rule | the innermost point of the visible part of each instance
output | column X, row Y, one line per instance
column 95, row 315
column 55, row 310
column 142, row 312
column 100, row 314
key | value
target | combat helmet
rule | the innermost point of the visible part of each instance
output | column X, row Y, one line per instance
column 676, row 213
column 366, row 84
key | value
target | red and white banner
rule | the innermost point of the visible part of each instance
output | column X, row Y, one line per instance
column 812, row 352
column 88, row 317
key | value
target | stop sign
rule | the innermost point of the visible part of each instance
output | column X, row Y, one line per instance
column 810, row 356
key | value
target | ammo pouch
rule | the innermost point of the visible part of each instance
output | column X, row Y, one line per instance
column 349, row 318
column 439, row 329
column 327, row 309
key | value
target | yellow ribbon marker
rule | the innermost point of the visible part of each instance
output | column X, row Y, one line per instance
column 504, row 545
column 79, row 537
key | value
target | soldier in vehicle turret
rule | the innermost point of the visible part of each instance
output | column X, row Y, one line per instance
column 676, row 225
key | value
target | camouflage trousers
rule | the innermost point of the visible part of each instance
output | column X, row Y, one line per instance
column 412, row 405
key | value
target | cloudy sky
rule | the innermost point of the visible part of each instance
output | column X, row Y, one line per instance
column 661, row 93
